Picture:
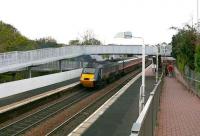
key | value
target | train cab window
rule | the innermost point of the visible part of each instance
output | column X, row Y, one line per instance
column 88, row 71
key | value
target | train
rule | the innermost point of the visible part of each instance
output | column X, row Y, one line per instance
column 97, row 74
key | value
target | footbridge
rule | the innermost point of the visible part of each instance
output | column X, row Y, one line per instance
column 12, row 61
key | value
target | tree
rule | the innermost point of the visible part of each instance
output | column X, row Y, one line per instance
column 75, row 42
column 87, row 38
column 47, row 42
column 87, row 35
column 183, row 47
column 12, row 40
column 91, row 41
column 197, row 59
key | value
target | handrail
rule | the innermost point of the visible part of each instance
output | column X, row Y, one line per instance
column 11, row 61
column 140, row 122
column 192, row 79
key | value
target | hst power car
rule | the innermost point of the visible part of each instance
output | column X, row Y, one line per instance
column 99, row 73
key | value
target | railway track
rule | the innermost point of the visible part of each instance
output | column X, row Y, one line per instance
column 22, row 125
column 66, row 127
column 77, row 107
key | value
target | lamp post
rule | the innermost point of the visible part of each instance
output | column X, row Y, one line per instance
column 156, row 63
column 157, row 66
column 128, row 35
column 142, row 87
column 197, row 15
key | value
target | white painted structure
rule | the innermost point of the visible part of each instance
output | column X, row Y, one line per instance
column 12, row 61
column 16, row 87
column 55, row 66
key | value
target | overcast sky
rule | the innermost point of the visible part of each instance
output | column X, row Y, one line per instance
column 68, row 19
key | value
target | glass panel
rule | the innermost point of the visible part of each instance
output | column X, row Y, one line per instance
column 88, row 70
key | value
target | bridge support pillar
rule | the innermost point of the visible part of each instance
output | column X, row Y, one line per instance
column 13, row 76
column 60, row 65
column 81, row 64
column 29, row 72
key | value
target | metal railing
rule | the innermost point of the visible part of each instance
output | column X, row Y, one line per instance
column 194, row 85
column 146, row 122
column 190, row 79
column 17, row 57
column 63, row 66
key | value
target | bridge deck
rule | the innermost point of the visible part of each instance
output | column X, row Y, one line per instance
column 180, row 111
column 13, row 61
column 115, row 118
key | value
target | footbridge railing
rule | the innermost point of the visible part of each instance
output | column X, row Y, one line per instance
column 20, row 59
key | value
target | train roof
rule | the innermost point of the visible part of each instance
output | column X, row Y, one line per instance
column 100, row 64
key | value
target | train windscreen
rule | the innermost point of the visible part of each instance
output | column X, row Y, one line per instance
column 88, row 71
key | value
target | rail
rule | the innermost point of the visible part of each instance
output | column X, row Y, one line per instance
column 190, row 79
column 146, row 122
column 62, row 66
column 22, row 125
column 193, row 85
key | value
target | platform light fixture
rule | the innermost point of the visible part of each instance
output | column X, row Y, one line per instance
column 128, row 35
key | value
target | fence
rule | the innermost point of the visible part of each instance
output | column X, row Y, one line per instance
column 18, row 57
column 146, row 122
column 190, row 79
column 54, row 54
column 64, row 65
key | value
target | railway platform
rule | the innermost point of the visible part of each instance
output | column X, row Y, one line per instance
column 116, row 116
column 179, row 111
column 14, row 101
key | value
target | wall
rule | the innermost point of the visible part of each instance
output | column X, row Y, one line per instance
column 11, row 88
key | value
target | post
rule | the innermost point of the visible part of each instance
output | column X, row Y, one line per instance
column 13, row 76
column 81, row 64
column 29, row 72
column 197, row 15
column 142, row 88
column 60, row 65
column 157, row 66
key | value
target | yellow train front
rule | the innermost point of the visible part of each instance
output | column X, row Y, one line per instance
column 98, row 74
column 88, row 77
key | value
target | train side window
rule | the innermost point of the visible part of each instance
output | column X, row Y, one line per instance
column 101, row 73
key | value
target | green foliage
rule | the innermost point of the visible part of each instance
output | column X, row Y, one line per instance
column 47, row 42
column 197, row 59
column 88, row 38
column 91, row 41
column 105, row 56
column 75, row 42
column 181, row 63
column 183, row 47
column 12, row 40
